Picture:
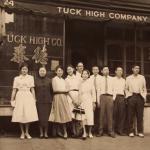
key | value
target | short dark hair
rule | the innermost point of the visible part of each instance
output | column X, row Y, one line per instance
column 135, row 65
column 79, row 63
column 59, row 67
column 95, row 66
column 23, row 65
column 118, row 67
column 105, row 66
column 85, row 70
column 70, row 66
column 42, row 67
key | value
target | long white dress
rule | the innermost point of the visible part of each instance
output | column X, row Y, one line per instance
column 73, row 87
column 87, row 96
column 25, row 108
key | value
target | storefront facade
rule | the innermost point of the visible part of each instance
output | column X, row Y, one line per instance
column 92, row 33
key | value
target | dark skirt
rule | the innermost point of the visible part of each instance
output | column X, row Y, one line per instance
column 44, row 110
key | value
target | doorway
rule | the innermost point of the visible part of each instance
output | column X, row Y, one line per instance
column 84, row 42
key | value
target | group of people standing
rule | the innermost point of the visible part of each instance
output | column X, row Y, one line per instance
column 77, row 97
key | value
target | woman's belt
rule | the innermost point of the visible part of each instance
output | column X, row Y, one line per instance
column 24, row 90
column 74, row 90
column 60, row 92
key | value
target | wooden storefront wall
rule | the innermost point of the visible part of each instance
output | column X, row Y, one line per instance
column 131, row 43
column 33, row 29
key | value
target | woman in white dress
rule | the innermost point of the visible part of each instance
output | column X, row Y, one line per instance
column 87, row 98
column 73, row 87
column 60, row 112
column 23, row 101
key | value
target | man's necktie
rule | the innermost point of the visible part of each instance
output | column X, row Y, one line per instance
column 106, row 84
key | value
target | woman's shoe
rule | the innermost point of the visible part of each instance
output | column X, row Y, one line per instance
column 41, row 136
column 22, row 136
column 90, row 136
column 46, row 136
column 28, row 136
column 84, row 137
column 65, row 137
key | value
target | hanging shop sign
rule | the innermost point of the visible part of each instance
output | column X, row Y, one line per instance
column 121, row 16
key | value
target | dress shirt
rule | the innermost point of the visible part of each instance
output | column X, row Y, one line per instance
column 102, row 87
column 136, row 84
column 118, row 86
column 95, row 80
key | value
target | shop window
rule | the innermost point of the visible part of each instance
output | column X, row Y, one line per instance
column 114, row 33
column 115, row 57
column 129, row 34
column 132, row 58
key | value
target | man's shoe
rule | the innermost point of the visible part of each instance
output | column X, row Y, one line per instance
column 99, row 134
column 112, row 135
column 141, row 135
column 131, row 135
column 121, row 134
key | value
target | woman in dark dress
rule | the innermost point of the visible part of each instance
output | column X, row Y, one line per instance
column 43, row 90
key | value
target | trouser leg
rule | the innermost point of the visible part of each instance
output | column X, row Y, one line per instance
column 102, row 113
column 109, row 112
column 131, row 112
column 121, row 114
column 139, row 113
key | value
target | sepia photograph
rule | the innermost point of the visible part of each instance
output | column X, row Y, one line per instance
column 74, row 74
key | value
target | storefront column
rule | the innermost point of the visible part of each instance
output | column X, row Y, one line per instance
column 124, row 60
column 105, row 46
column 135, row 43
column 142, row 60
column 64, row 43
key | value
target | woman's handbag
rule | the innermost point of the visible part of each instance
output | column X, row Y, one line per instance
column 78, row 110
column 79, row 116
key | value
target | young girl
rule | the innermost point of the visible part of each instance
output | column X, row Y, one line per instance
column 60, row 106
column 87, row 98
column 24, row 97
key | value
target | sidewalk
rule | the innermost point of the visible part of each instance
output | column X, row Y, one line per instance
column 103, row 143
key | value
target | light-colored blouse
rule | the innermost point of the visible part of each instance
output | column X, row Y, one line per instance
column 23, row 82
column 72, row 82
column 59, row 84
